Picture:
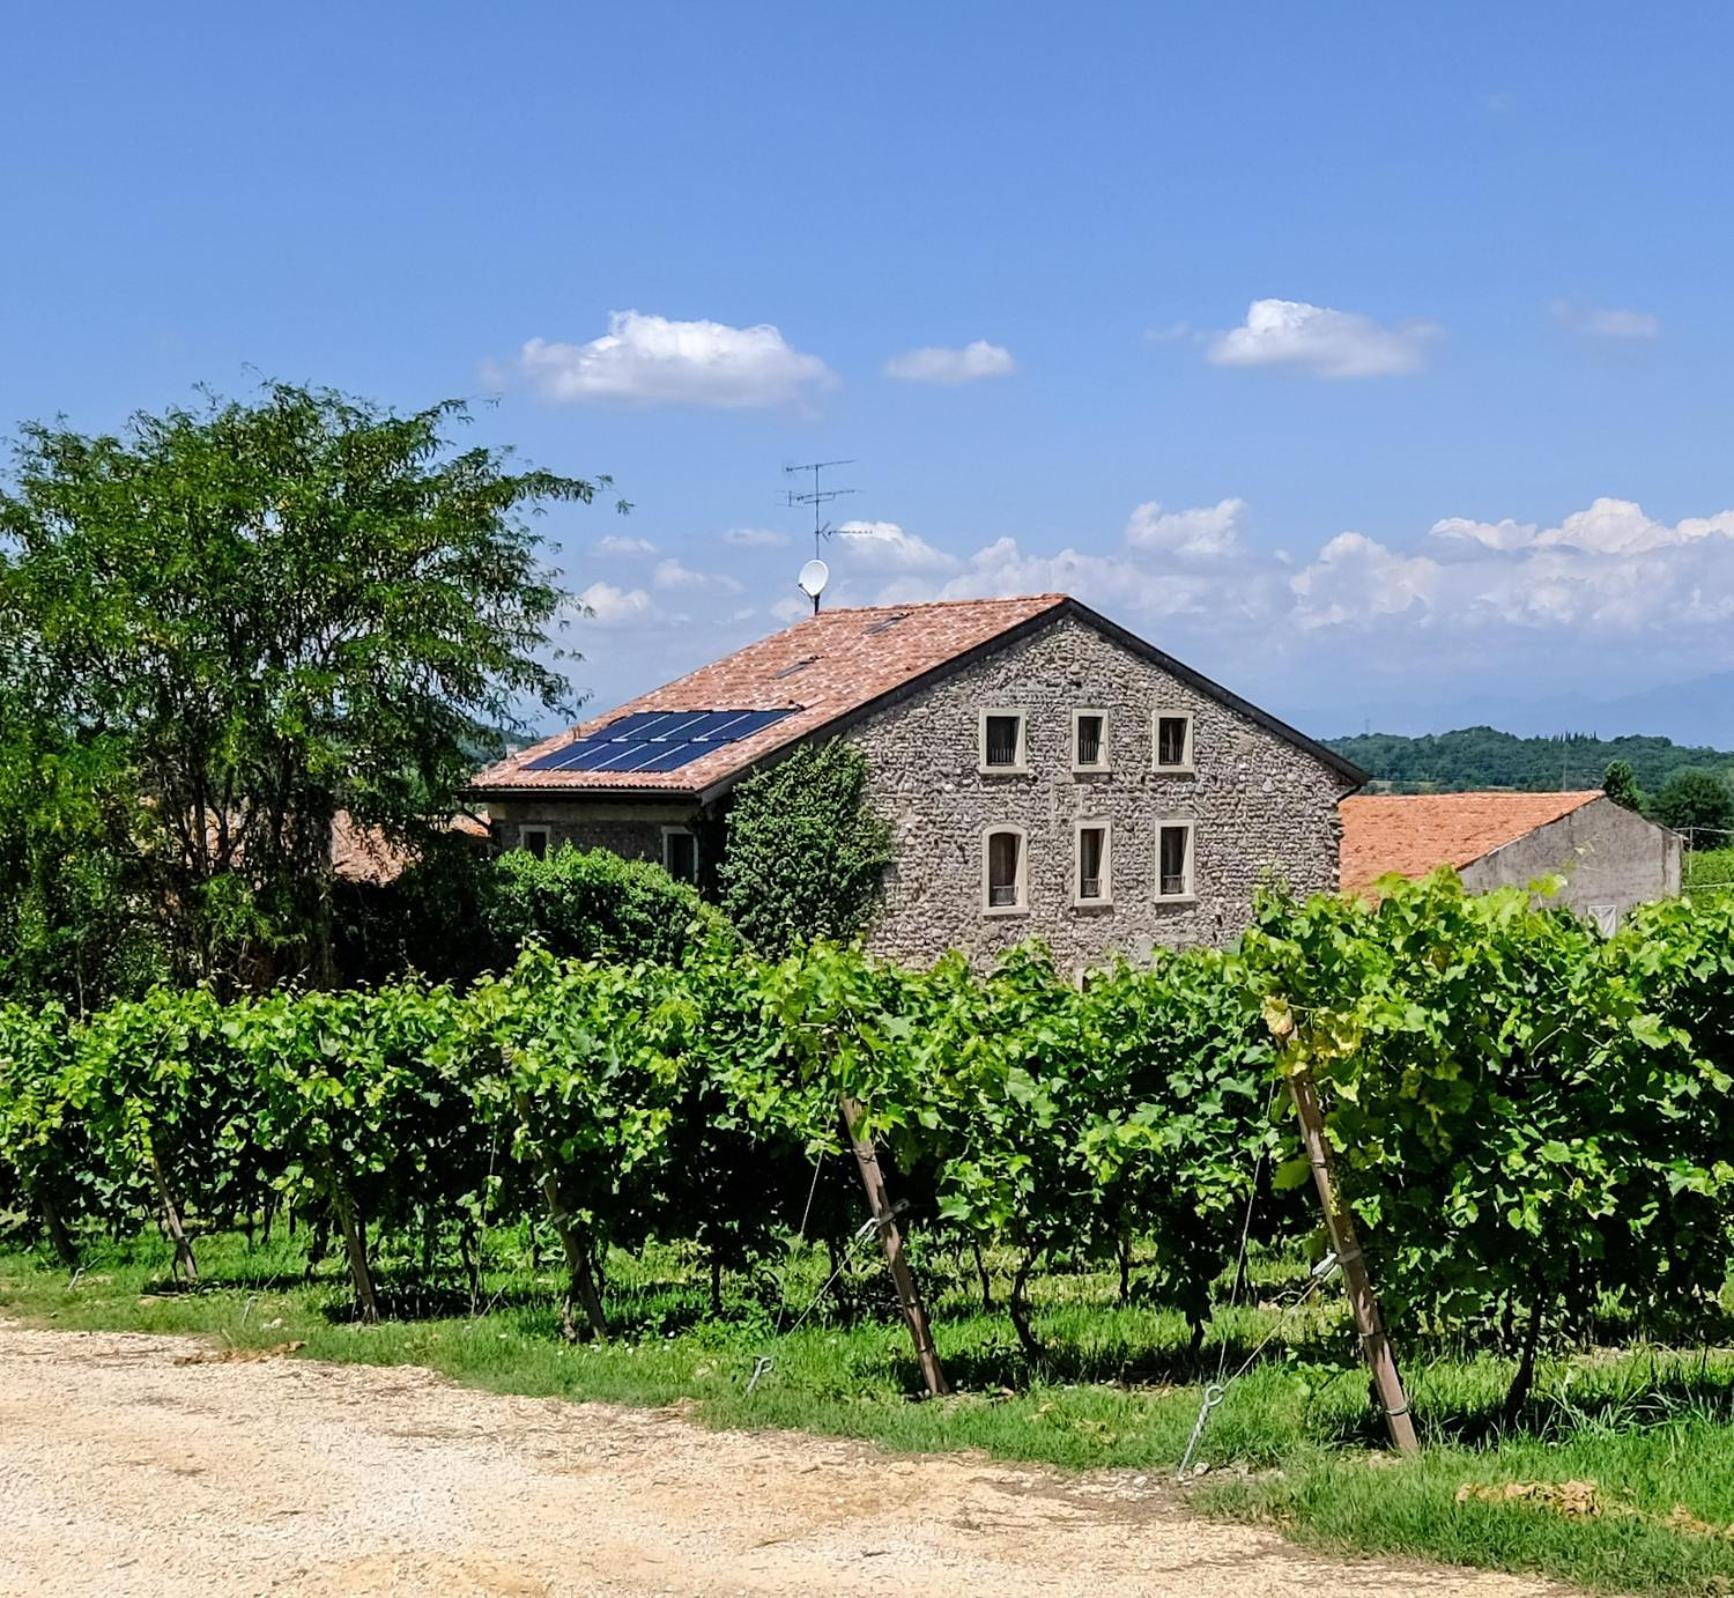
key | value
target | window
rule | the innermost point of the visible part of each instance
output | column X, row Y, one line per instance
column 534, row 840
column 1002, row 740
column 1004, row 871
column 1091, row 885
column 1173, row 737
column 1174, row 860
column 1089, row 740
column 680, row 854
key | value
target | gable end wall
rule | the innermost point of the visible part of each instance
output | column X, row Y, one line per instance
column 1263, row 808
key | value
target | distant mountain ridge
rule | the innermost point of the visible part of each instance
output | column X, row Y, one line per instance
column 1483, row 757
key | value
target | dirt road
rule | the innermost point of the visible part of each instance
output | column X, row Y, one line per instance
column 141, row 1465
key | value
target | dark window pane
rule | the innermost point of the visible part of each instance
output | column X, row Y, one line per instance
column 1092, row 850
column 1003, row 849
column 1171, row 747
column 537, row 843
column 681, row 851
column 1174, row 848
column 1002, row 740
column 1089, row 740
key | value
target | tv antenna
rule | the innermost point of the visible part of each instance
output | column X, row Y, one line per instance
column 818, row 497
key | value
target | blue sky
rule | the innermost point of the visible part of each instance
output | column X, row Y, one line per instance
column 1374, row 359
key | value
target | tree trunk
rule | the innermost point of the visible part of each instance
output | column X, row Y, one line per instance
column 355, row 1246
column 1524, row 1380
column 1019, row 1305
column 985, row 1280
column 1124, row 1249
column 470, row 1254
column 59, row 1238
column 716, row 1273
column 581, row 1280
column 185, row 1265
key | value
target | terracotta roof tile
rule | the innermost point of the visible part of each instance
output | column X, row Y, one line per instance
column 821, row 668
column 1410, row 834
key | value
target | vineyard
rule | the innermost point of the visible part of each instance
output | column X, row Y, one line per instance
column 1532, row 1123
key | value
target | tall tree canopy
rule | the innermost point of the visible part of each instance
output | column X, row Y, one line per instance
column 235, row 620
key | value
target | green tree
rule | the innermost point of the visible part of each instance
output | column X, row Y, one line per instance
column 264, row 613
column 1620, row 784
column 1700, row 804
column 806, row 854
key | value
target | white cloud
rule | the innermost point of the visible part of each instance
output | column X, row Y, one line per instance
column 608, row 606
column 933, row 364
column 1208, row 531
column 614, row 544
column 671, row 573
column 1603, row 575
column 886, row 547
column 650, row 360
column 756, row 538
column 791, row 610
column 1316, row 339
column 1605, row 321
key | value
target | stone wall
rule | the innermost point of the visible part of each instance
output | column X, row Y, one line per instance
column 1262, row 807
column 633, row 831
column 1611, row 859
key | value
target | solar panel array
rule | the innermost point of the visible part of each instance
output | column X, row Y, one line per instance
column 656, row 740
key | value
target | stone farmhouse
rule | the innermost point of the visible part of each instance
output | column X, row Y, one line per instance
column 1611, row 858
column 1046, row 773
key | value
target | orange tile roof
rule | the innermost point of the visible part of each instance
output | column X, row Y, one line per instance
column 822, row 668
column 1410, row 834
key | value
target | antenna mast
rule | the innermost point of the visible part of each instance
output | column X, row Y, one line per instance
column 817, row 496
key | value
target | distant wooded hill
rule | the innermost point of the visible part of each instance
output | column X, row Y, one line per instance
column 1482, row 757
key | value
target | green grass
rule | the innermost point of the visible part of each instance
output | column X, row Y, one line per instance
column 1709, row 871
column 1293, row 1444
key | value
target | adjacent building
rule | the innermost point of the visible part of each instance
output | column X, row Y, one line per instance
column 1046, row 773
column 1611, row 858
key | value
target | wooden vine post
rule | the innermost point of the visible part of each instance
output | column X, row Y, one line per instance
column 891, row 1237
column 1363, row 1302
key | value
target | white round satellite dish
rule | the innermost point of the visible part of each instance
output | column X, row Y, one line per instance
column 814, row 575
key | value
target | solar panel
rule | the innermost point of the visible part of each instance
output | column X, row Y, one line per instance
column 656, row 740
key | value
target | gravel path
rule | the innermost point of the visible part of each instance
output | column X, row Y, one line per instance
column 145, row 1465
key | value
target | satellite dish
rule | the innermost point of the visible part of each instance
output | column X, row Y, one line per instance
column 814, row 575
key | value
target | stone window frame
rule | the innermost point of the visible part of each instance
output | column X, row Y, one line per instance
column 1190, row 826
column 527, row 828
column 1021, row 767
column 1189, row 766
column 1021, row 907
column 671, row 830
column 1105, row 899
column 1106, row 763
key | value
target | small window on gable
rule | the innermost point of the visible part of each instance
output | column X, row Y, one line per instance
column 1091, row 886
column 1089, row 740
column 1173, row 740
column 1002, row 740
column 680, row 854
column 1174, row 870
column 534, row 840
column 1004, row 871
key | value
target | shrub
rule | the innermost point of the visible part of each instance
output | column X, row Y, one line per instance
column 806, row 855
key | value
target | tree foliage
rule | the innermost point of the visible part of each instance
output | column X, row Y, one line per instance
column 806, row 856
column 1620, row 784
column 1482, row 757
column 246, row 617
column 1700, row 804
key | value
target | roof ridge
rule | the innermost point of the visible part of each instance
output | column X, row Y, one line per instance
column 1051, row 596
